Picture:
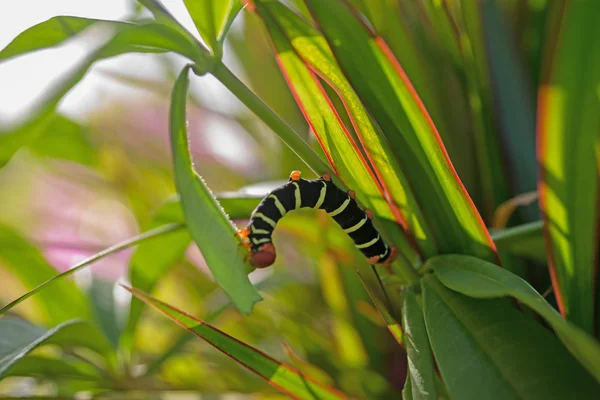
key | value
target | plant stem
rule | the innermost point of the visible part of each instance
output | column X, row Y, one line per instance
column 161, row 230
column 269, row 117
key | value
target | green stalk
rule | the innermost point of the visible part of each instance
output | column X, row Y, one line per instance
column 268, row 116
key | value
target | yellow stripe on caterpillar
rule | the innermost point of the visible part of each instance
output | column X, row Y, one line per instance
column 297, row 195
column 278, row 204
column 265, row 218
column 322, row 195
column 340, row 208
column 357, row 226
column 369, row 243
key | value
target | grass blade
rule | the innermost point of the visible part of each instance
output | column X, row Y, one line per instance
column 281, row 376
column 90, row 260
column 207, row 223
column 393, row 326
column 568, row 152
column 525, row 240
column 480, row 279
column 390, row 98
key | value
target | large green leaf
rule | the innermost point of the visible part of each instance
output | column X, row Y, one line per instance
column 18, row 338
column 281, row 376
column 213, row 19
column 60, row 291
column 153, row 259
column 569, row 143
column 392, row 101
column 63, row 301
column 420, row 359
column 127, row 37
column 314, row 51
column 511, row 356
column 480, row 279
column 336, row 141
column 207, row 223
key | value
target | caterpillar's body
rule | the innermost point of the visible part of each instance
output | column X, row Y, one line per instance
column 320, row 193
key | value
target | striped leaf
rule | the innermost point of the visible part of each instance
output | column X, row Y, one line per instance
column 281, row 376
column 391, row 99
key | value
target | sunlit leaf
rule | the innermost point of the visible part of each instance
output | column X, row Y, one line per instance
column 283, row 377
column 483, row 280
column 493, row 341
column 207, row 223
column 420, row 359
column 393, row 326
column 213, row 19
column 568, row 151
column 312, row 48
column 392, row 101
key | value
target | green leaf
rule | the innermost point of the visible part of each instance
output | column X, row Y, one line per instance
column 213, row 19
column 390, row 98
column 336, row 141
column 314, row 51
column 153, row 259
column 525, row 240
column 62, row 302
column 150, row 37
column 281, row 376
column 569, row 143
column 513, row 357
column 420, row 359
column 60, row 290
column 19, row 337
column 476, row 278
column 207, row 223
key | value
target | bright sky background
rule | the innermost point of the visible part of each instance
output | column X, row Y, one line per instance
column 23, row 80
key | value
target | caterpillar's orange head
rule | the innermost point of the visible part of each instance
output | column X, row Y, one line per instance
column 264, row 257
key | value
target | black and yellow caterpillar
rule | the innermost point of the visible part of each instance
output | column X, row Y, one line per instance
column 320, row 193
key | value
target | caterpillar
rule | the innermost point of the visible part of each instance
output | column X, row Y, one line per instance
column 320, row 193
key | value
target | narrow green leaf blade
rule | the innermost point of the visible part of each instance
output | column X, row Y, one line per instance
column 336, row 141
column 153, row 259
column 525, row 240
column 281, row 376
column 19, row 338
column 213, row 19
column 499, row 345
column 393, row 326
column 568, row 151
column 51, row 368
column 390, row 98
column 207, row 223
column 312, row 48
column 420, row 359
column 62, row 302
column 477, row 278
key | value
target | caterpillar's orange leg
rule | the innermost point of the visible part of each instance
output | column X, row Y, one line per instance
column 373, row 260
column 393, row 255
column 369, row 213
column 295, row 176
column 351, row 194
column 326, row 177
